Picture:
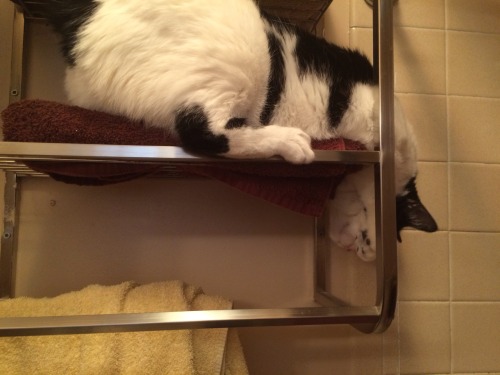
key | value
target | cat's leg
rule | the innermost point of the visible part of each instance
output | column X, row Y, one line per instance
column 344, row 208
column 359, row 120
column 351, row 217
column 365, row 188
column 364, row 246
column 218, row 133
column 293, row 144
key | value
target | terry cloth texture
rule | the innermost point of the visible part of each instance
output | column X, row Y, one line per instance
column 301, row 188
column 176, row 352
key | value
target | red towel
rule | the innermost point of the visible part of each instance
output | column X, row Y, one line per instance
column 302, row 188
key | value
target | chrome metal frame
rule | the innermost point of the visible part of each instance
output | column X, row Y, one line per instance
column 16, row 68
column 10, row 151
column 367, row 318
column 9, row 237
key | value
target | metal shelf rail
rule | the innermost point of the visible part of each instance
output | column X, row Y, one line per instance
column 369, row 319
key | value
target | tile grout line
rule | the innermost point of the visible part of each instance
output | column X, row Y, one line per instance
column 398, row 353
column 398, row 309
column 472, row 163
column 461, row 231
column 447, row 89
column 473, row 32
column 443, row 302
column 426, row 28
column 445, row 95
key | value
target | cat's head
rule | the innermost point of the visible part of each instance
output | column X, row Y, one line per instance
column 410, row 211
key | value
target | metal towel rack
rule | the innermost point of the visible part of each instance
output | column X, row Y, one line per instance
column 369, row 319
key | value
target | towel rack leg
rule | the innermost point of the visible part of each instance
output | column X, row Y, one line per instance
column 9, row 237
column 322, row 263
column 385, row 197
column 387, row 273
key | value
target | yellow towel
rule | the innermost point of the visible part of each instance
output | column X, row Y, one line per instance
column 210, row 343
column 176, row 352
column 70, row 354
column 174, row 358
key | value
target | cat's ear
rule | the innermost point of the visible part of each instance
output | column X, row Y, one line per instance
column 410, row 212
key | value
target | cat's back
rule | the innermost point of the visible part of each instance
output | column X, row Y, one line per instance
column 134, row 57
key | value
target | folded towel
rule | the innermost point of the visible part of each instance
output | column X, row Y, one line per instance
column 303, row 189
column 70, row 354
column 175, row 352
column 211, row 343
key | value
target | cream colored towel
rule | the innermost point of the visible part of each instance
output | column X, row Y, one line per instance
column 210, row 343
column 70, row 354
column 176, row 352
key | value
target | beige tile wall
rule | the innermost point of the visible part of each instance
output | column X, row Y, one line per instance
column 447, row 75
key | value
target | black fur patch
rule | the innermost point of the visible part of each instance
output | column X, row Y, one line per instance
column 236, row 123
column 192, row 126
column 410, row 212
column 340, row 66
column 280, row 24
column 276, row 83
column 67, row 17
column 364, row 235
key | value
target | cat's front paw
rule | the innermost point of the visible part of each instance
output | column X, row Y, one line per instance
column 363, row 247
column 293, row 144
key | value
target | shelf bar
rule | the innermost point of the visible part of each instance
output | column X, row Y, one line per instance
column 61, row 325
column 121, row 153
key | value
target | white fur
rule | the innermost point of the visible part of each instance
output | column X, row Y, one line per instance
column 147, row 61
column 352, row 211
column 180, row 52
column 360, row 121
column 304, row 102
column 177, row 53
column 168, row 58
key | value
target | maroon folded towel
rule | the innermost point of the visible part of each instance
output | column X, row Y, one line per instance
column 302, row 188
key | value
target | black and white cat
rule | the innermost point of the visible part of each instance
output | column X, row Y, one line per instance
column 228, row 79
